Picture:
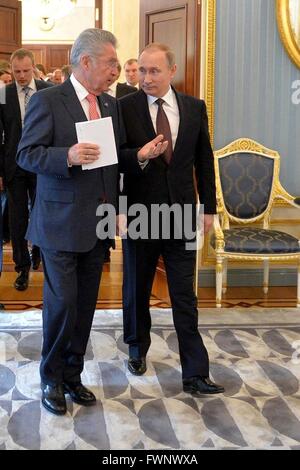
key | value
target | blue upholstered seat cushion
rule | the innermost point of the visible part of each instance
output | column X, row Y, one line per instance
column 246, row 182
column 257, row 240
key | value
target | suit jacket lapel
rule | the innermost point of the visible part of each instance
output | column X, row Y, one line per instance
column 104, row 106
column 38, row 85
column 183, row 119
column 71, row 101
column 13, row 99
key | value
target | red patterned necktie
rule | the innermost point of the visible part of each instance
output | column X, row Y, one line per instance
column 93, row 111
column 163, row 127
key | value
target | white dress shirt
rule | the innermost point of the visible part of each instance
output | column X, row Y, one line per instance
column 82, row 93
column 134, row 86
column 112, row 91
column 21, row 96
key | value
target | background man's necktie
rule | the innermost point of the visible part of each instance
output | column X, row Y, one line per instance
column 27, row 95
column 163, row 127
column 93, row 112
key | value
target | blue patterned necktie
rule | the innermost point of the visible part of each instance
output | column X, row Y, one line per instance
column 27, row 96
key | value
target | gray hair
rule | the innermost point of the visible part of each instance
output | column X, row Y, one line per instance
column 89, row 42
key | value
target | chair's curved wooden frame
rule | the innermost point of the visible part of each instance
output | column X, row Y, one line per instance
column 223, row 218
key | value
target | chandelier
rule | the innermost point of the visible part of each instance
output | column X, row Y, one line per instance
column 47, row 11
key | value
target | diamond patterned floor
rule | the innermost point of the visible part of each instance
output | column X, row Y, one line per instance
column 251, row 354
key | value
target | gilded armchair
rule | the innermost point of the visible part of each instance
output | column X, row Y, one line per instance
column 247, row 180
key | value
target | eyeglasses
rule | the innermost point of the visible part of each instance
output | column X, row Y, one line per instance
column 112, row 63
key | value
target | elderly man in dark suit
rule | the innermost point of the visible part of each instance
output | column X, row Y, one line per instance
column 150, row 179
column 64, row 217
column 20, row 184
column 63, row 221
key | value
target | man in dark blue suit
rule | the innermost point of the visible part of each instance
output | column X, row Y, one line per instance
column 63, row 221
column 152, row 180
column 20, row 184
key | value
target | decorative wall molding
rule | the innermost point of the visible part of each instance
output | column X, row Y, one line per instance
column 210, row 63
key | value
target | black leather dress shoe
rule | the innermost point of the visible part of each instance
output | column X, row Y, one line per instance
column 21, row 283
column 137, row 366
column 201, row 385
column 79, row 393
column 53, row 399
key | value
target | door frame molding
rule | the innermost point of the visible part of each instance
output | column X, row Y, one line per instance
column 209, row 13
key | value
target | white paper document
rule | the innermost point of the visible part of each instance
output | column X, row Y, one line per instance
column 99, row 132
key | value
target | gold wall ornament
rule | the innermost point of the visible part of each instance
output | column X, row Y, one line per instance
column 288, row 21
column 210, row 64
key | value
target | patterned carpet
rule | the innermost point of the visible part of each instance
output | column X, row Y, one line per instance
column 251, row 354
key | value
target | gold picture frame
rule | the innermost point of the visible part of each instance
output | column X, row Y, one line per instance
column 286, row 31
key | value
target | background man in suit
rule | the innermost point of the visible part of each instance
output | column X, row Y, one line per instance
column 20, row 184
column 63, row 221
column 1, row 219
column 118, row 90
column 131, row 72
column 168, row 179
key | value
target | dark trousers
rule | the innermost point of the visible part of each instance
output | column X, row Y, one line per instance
column 20, row 193
column 1, row 244
column 70, row 295
column 140, row 261
column 5, row 231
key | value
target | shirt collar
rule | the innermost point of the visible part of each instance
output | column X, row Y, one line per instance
column 31, row 85
column 113, row 86
column 168, row 98
column 79, row 88
column 134, row 86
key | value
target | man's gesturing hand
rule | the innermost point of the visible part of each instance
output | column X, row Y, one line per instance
column 152, row 149
column 81, row 154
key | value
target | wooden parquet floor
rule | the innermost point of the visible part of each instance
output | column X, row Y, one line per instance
column 110, row 291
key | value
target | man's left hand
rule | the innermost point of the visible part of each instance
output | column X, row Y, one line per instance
column 208, row 222
column 121, row 225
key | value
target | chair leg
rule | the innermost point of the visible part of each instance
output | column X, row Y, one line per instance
column 298, row 286
column 266, row 276
column 219, row 273
column 224, row 277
